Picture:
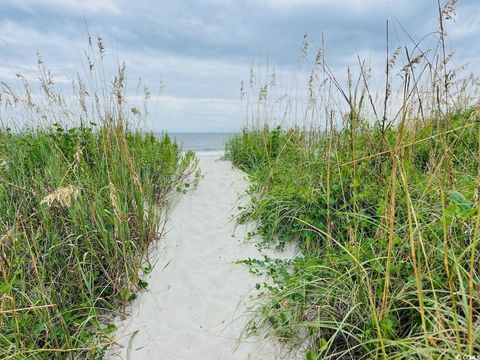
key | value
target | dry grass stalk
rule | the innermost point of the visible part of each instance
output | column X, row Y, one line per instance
column 5, row 242
column 62, row 196
column 116, row 209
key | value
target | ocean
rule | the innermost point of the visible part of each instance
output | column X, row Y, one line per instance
column 204, row 144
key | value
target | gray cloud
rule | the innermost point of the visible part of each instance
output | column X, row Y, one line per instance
column 202, row 49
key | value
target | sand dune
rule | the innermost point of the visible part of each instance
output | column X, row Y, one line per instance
column 197, row 297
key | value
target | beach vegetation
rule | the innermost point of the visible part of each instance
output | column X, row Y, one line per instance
column 84, row 194
column 381, row 199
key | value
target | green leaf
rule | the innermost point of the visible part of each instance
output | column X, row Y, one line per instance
column 147, row 269
column 322, row 344
column 110, row 328
column 466, row 215
column 460, row 200
column 142, row 284
column 5, row 288
column 38, row 328
column 311, row 355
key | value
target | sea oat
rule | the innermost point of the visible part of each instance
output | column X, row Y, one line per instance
column 62, row 196
column 5, row 242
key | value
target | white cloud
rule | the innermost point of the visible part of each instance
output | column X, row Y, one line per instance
column 193, row 114
column 347, row 6
column 76, row 6
column 468, row 26
column 17, row 35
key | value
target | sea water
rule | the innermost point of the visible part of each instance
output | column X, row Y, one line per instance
column 204, row 144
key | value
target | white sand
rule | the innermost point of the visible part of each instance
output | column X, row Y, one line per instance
column 196, row 301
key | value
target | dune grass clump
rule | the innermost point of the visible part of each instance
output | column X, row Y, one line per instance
column 80, row 206
column 384, row 209
column 368, row 285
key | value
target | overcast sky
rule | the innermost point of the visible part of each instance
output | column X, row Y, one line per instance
column 202, row 49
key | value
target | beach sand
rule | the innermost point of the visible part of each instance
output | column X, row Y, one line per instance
column 197, row 300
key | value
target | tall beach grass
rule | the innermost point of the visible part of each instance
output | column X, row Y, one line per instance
column 381, row 197
column 83, row 195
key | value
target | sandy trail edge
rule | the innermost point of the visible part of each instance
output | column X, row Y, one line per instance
column 197, row 297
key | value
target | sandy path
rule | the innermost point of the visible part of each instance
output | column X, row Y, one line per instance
column 196, row 300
